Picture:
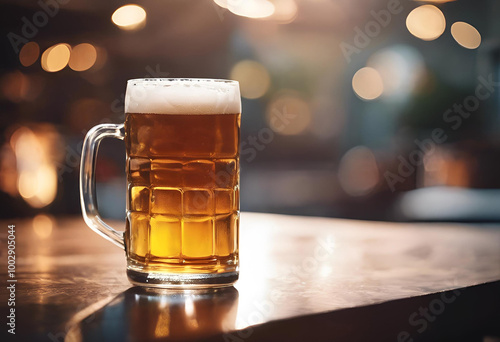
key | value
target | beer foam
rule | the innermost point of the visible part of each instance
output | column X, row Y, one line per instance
column 182, row 96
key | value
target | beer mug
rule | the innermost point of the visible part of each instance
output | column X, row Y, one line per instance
column 182, row 139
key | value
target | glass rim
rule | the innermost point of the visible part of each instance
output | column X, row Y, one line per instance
column 150, row 81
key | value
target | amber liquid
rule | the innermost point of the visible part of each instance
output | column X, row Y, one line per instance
column 183, row 192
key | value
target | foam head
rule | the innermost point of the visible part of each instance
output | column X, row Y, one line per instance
column 182, row 96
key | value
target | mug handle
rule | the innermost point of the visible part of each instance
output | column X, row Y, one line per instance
column 88, row 197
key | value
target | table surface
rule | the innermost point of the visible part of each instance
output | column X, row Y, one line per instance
column 71, row 283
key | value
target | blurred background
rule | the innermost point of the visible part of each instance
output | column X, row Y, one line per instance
column 366, row 109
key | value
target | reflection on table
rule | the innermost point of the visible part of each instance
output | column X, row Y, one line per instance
column 149, row 314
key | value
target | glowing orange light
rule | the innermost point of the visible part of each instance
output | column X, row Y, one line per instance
column 56, row 57
column 43, row 225
column 15, row 86
column 37, row 175
column 129, row 17
column 29, row 53
column 83, row 57
column 426, row 22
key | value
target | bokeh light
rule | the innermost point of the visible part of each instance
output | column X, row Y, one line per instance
column 8, row 170
column 288, row 113
column 29, row 54
column 367, row 83
column 426, row 22
column 253, row 78
column 56, row 57
column 358, row 171
column 401, row 68
column 285, row 11
column 129, row 17
column 83, row 57
column 43, row 225
column 15, row 86
column 37, row 174
column 466, row 35
column 248, row 8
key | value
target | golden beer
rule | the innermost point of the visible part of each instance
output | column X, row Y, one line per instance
column 183, row 194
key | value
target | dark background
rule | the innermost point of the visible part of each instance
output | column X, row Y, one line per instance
column 338, row 155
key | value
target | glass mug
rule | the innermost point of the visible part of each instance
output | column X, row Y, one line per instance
column 182, row 139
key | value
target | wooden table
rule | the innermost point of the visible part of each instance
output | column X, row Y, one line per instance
column 302, row 279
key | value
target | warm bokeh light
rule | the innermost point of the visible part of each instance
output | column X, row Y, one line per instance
column 253, row 78
column 367, row 83
column 29, row 54
column 38, row 187
column 222, row 3
column 129, row 17
column 466, row 35
column 426, row 22
column 401, row 68
column 15, row 86
column 56, row 57
column 285, row 11
column 43, row 225
column 83, row 57
column 37, row 174
column 358, row 171
column 248, row 8
column 8, row 170
column 294, row 108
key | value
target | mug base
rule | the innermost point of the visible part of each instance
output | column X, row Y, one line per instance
column 178, row 281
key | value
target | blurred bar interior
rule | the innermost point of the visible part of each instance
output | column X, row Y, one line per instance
column 368, row 109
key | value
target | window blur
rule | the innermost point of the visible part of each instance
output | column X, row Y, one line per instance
column 368, row 109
